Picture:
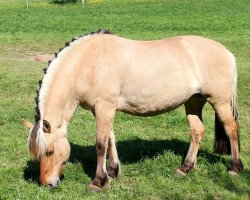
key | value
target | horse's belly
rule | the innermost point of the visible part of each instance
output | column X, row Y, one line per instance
column 152, row 103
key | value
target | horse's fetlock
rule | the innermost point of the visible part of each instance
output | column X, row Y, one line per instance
column 99, row 184
column 114, row 171
column 236, row 166
column 187, row 166
column 101, row 181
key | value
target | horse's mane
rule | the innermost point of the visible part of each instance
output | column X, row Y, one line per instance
column 67, row 44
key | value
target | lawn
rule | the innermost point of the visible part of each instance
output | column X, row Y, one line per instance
column 151, row 148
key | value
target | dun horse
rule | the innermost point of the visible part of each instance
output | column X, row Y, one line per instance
column 105, row 73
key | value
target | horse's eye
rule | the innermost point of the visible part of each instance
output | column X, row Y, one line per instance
column 50, row 153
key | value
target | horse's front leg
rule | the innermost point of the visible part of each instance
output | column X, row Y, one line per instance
column 114, row 169
column 104, row 113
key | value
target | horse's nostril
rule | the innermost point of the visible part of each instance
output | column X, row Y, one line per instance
column 50, row 185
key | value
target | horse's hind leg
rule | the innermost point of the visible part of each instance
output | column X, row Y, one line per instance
column 193, row 109
column 226, row 118
column 114, row 169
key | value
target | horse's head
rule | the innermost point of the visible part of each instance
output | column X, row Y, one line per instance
column 50, row 146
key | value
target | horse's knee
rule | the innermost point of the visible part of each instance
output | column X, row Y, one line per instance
column 101, row 147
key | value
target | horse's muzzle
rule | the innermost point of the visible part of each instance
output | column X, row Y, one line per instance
column 53, row 184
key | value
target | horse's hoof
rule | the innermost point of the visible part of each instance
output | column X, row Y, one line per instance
column 236, row 167
column 185, row 168
column 93, row 188
column 180, row 172
column 99, row 184
column 233, row 173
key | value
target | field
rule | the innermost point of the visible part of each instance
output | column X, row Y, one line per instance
column 151, row 148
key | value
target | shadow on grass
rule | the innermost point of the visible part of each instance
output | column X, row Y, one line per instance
column 31, row 172
column 235, row 184
column 130, row 151
column 133, row 151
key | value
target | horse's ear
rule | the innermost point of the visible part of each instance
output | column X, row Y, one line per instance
column 27, row 124
column 46, row 126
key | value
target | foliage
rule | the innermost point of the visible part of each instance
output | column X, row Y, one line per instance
column 150, row 148
column 63, row 1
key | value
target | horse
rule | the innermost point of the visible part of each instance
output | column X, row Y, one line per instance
column 105, row 73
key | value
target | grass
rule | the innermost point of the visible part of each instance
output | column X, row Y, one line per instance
column 150, row 148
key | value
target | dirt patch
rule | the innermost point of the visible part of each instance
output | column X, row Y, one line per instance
column 36, row 57
column 24, row 55
column 39, row 57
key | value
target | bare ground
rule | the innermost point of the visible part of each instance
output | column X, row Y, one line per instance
column 19, row 54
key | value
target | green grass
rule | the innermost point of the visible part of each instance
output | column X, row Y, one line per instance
column 150, row 148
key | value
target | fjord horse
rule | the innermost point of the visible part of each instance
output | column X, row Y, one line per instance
column 105, row 73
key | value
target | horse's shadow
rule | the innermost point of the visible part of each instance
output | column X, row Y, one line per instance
column 130, row 151
column 31, row 171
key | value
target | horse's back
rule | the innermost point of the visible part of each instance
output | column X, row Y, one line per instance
column 150, row 77
column 168, row 72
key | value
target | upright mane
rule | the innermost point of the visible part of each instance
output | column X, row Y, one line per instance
column 37, row 142
column 51, row 63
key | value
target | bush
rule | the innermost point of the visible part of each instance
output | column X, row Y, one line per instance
column 63, row 1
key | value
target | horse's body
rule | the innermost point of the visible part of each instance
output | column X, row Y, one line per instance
column 106, row 73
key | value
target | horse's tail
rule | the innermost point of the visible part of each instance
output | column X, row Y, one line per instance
column 222, row 143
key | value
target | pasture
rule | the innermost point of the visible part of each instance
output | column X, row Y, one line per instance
column 150, row 148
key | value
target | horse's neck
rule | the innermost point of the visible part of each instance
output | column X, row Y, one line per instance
column 58, row 109
column 57, row 96
column 58, row 101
